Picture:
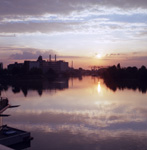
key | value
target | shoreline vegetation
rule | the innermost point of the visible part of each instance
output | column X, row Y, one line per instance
column 114, row 77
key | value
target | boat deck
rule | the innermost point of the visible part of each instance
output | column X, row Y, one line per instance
column 10, row 136
column 6, row 132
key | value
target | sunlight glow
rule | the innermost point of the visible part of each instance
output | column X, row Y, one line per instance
column 99, row 87
column 99, row 56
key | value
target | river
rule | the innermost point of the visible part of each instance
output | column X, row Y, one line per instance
column 79, row 114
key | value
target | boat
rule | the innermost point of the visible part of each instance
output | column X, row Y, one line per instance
column 9, row 136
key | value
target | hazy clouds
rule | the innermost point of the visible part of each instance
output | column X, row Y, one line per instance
column 30, row 53
column 37, row 7
column 35, row 27
column 49, row 16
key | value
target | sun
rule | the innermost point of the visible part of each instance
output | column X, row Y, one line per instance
column 99, row 56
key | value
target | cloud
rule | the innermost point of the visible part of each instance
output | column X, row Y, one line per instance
column 49, row 16
column 31, row 53
column 91, row 26
column 7, row 35
column 126, row 59
column 35, row 27
column 130, row 56
column 37, row 7
column 143, row 33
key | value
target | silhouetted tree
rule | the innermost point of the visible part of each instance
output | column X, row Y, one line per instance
column 130, row 77
column 118, row 66
column 142, row 73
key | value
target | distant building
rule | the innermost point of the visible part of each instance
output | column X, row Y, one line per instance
column 15, row 65
column 1, row 65
column 34, row 64
column 57, row 66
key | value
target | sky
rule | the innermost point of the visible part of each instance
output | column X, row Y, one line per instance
column 87, row 32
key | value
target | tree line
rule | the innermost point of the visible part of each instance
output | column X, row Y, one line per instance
column 118, row 73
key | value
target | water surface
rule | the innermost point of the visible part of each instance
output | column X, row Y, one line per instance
column 80, row 114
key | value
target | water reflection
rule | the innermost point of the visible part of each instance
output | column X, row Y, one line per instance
column 63, row 83
column 87, row 115
column 38, row 85
column 126, row 84
column 99, row 87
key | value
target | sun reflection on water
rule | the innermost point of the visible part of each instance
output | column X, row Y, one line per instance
column 99, row 87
